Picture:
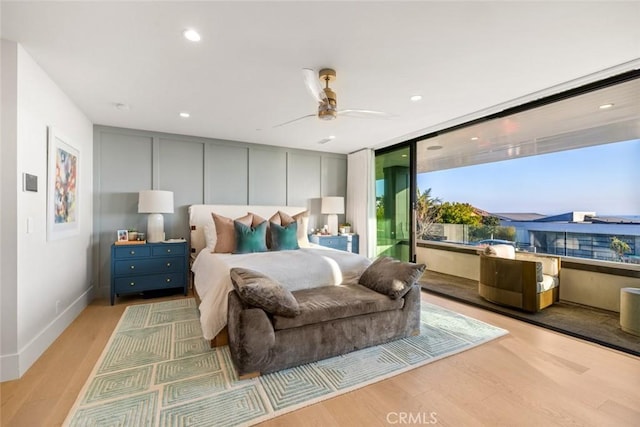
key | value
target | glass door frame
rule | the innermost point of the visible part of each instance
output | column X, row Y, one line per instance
column 411, row 145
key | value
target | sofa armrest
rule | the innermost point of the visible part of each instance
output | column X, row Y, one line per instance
column 508, row 274
column 411, row 307
column 550, row 264
column 251, row 335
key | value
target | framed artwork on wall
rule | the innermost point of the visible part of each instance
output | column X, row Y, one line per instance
column 62, row 186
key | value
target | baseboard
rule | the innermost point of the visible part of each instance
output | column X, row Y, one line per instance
column 9, row 367
column 13, row 366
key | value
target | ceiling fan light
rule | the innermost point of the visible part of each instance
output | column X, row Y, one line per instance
column 327, row 114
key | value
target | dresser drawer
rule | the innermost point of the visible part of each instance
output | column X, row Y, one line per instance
column 129, row 252
column 134, row 284
column 168, row 249
column 149, row 266
column 333, row 242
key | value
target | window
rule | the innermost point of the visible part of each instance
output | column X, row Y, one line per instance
column 559, row 178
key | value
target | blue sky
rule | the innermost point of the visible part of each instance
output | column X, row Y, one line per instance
column 604, row 179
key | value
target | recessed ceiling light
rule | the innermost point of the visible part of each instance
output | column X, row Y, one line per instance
column 605, row 106
column 416, row 98
column 122, row 107
column 191, row 35
column 474, row 138
column 185, row 114
column 327, row 139
column 434, row 147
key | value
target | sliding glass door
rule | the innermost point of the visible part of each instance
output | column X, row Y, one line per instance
column 394, row 217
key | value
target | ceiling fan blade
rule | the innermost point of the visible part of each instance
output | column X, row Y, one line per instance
column 312, row 82
column 365, row 114
column 294, row 120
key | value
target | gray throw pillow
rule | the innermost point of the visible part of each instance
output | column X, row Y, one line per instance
column 539, row 277
column 391, row 277
column 256, row 289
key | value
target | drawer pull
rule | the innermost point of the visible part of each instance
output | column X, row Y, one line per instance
column 168, row 280
column 132, row 284
column 168, row 251
column 168, row 264
column 132, row 252
column 133, row 267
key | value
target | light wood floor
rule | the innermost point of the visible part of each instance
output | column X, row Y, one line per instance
column 531, row 377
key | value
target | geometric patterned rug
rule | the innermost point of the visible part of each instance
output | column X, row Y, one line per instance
column 157, row 370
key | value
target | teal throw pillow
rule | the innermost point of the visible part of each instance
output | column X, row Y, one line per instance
column 250, row 239
column 284, row 238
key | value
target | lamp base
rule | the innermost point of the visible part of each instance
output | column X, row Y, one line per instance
column 155, row 228
column 332, row 223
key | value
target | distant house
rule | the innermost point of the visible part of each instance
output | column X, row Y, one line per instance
column 580, row 234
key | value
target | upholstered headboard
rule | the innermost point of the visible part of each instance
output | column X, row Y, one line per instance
column 199, row 215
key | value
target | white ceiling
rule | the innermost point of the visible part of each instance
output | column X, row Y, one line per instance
column 568, row 124
column 466, row 59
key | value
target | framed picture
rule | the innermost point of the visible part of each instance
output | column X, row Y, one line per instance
column 62, row 186
column 123, row 235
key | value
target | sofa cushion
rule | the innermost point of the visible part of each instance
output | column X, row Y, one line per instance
column 391, row 277
column 502, row 251
column 547, row 282
column 256, row 289
column 335, row 302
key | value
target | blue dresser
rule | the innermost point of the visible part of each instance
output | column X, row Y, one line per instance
column 347, row 243
column 148, row 267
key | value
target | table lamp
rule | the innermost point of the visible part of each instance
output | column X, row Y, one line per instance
column 332, row 206
column 155, row 203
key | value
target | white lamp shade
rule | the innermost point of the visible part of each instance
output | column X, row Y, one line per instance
column 155, row 201
column 332, row 205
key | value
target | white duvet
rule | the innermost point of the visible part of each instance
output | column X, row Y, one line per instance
column 299, row 269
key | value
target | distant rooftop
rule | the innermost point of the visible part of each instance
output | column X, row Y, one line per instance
column 575, row 216
column 519, row 216
column 612, row 220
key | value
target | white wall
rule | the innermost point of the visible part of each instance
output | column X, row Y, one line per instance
column 52, row 280
column 9, row 204
column 449, row 262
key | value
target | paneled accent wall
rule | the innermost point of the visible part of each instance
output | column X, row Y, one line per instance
column 199, row 170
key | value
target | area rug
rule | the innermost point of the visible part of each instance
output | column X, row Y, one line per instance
column 157, row 370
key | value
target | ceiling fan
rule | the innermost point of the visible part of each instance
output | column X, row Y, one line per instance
column 326, row 97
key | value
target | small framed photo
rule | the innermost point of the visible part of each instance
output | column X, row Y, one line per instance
column 123, row 235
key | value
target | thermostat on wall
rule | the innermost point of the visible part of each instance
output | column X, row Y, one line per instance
column 29, row 182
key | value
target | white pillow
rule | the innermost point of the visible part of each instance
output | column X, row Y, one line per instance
column 502, row 251
column 303, row 229
column 210, row 236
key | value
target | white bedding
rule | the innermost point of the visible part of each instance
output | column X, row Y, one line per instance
column 299, row 269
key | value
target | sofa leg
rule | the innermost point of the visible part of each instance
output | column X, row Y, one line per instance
column 221, row 339
column 249, row 375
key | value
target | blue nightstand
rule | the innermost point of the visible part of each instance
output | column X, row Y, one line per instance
column 148, row 267
column 349, row 242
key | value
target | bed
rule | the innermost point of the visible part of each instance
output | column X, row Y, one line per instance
column 308, row 267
